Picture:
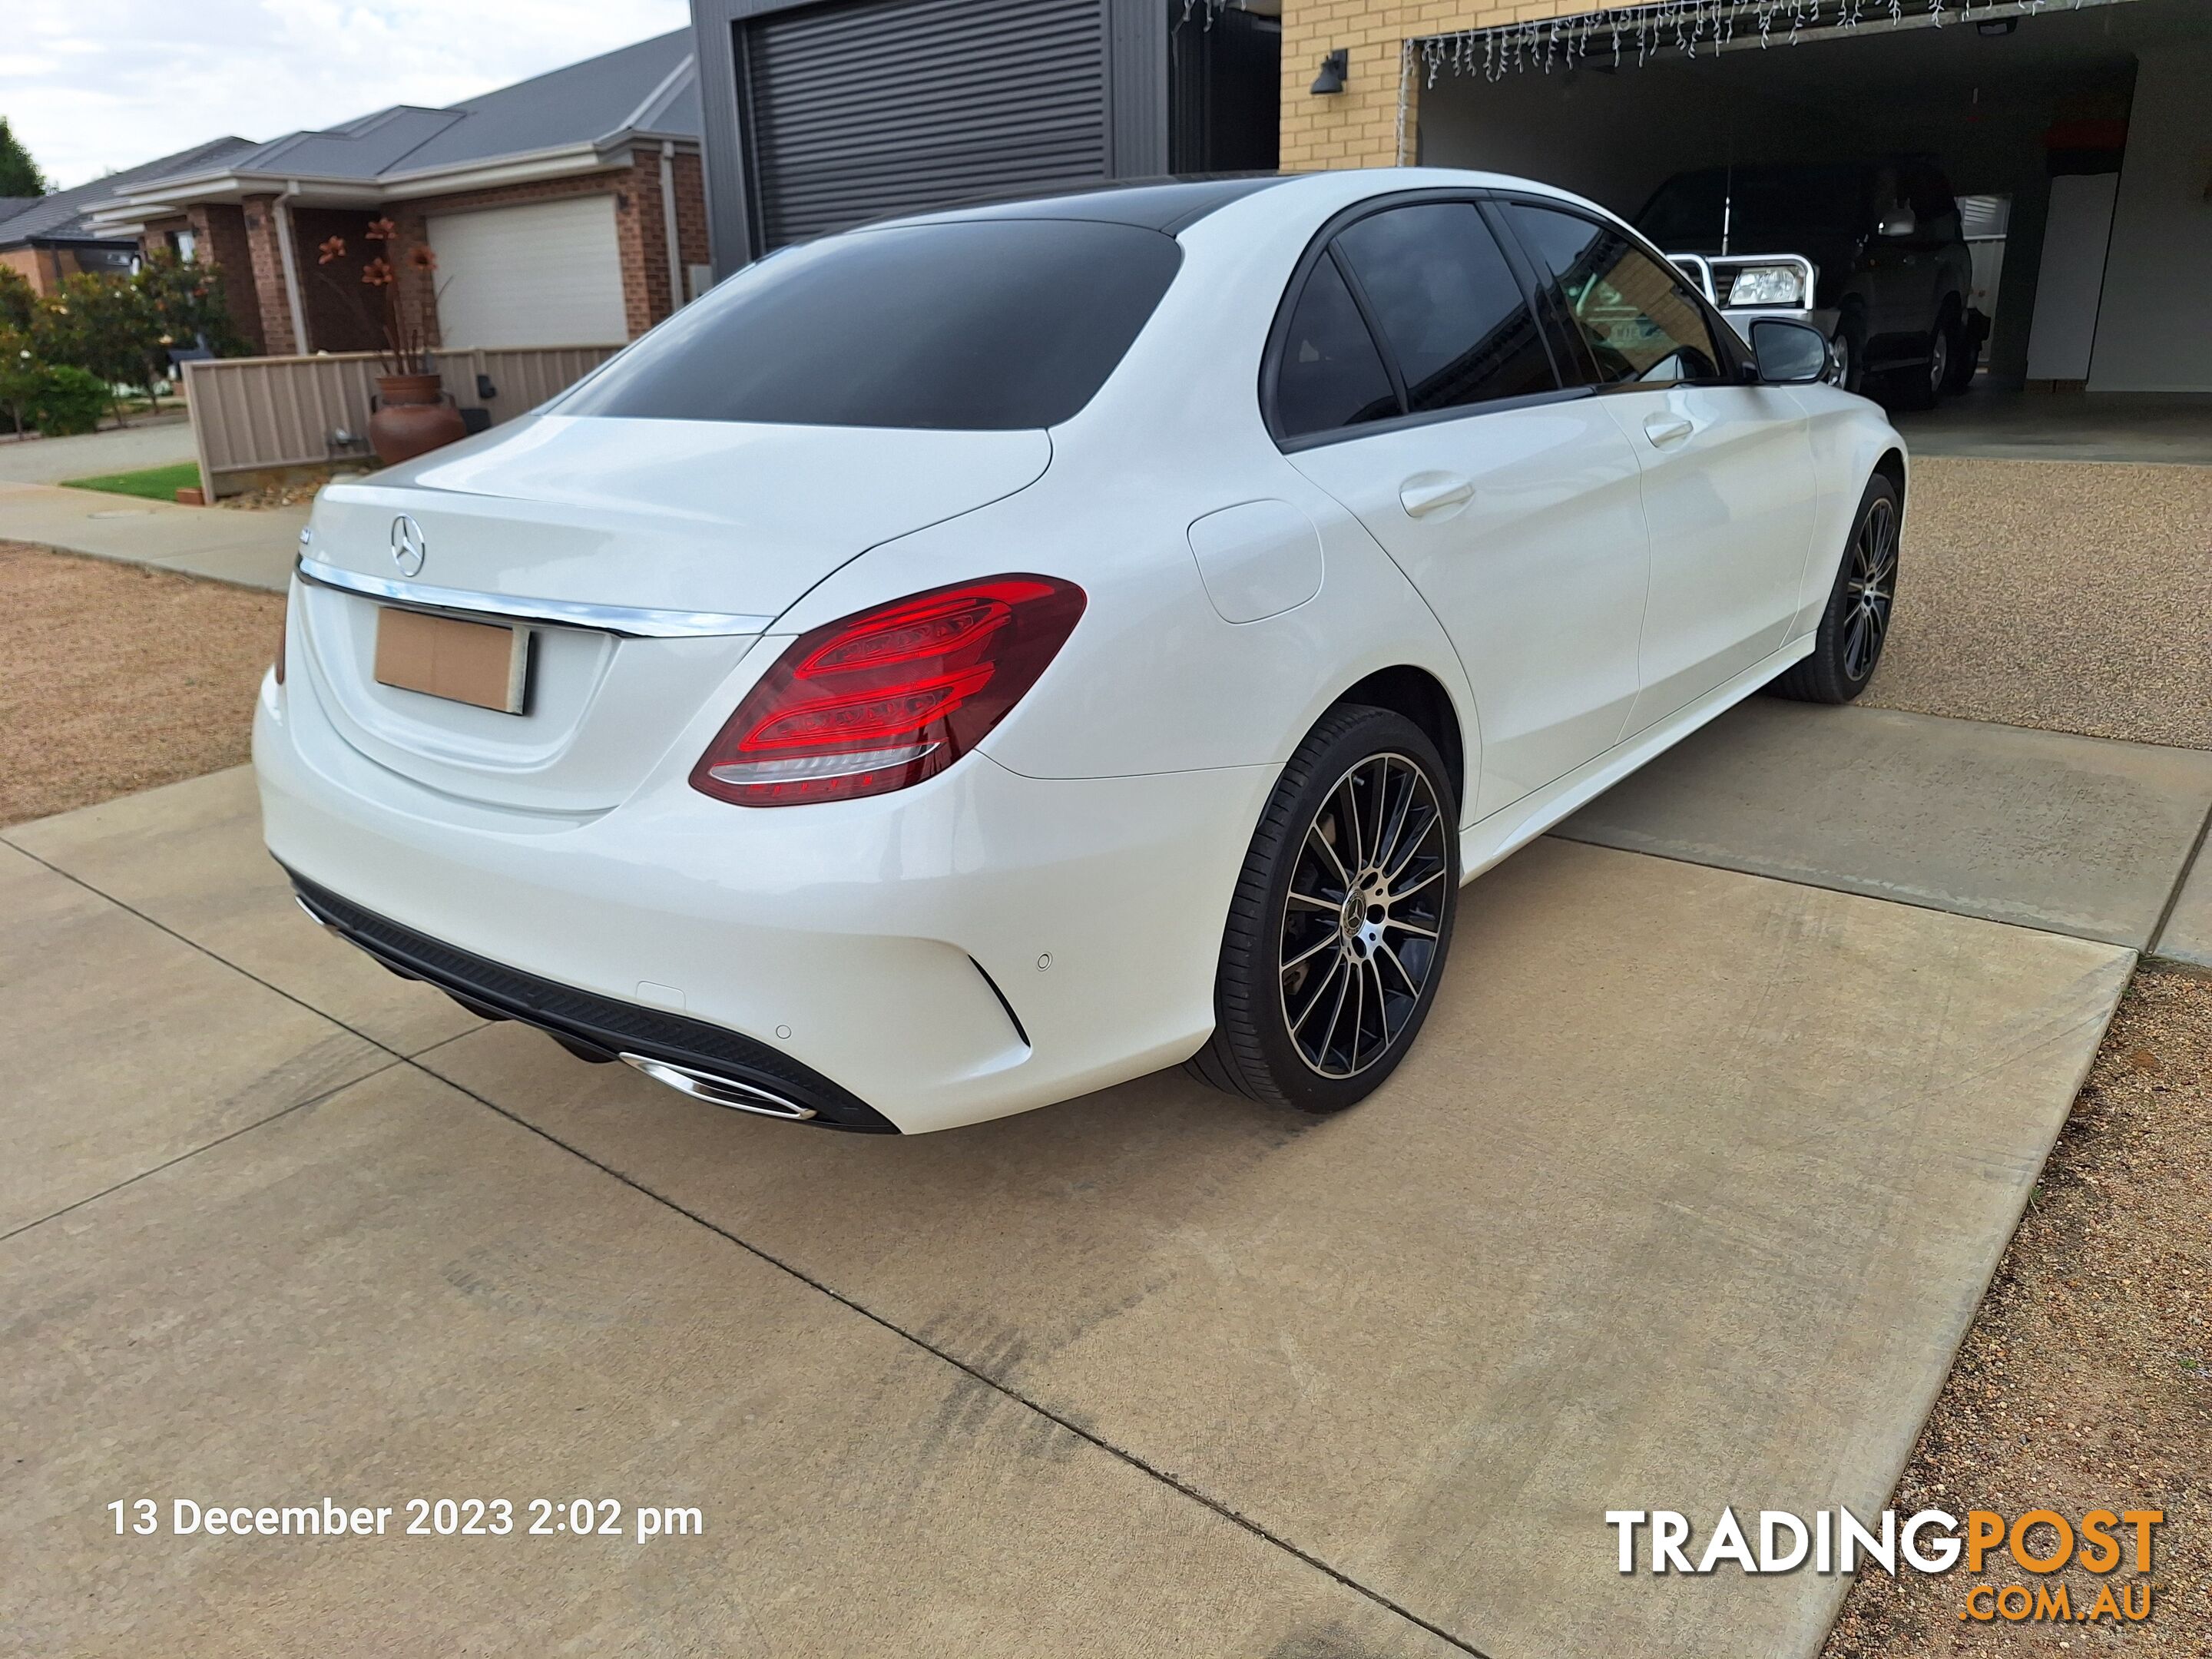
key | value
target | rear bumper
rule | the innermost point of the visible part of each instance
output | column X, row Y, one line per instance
column 977, row 945
column 600, row 1026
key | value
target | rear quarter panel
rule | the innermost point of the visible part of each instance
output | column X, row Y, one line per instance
column 1850, row 434
column 1154, row 679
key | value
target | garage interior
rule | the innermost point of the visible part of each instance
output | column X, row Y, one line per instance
column 2076, row 139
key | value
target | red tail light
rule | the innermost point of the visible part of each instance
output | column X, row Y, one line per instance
column 882, row 700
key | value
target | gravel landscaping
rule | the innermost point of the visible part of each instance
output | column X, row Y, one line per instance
column 2071, row 596
column 2086, row 1381
column 115, row 677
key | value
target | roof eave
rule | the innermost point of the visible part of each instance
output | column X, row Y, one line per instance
column 452, row 178
column 132, row 208
column 168, row 194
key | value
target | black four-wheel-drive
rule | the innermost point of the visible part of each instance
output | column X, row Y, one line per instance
column 1890, row 273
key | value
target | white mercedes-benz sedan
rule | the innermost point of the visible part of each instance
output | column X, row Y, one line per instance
column 975, row 659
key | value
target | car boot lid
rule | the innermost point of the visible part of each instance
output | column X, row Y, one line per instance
column 679, row 517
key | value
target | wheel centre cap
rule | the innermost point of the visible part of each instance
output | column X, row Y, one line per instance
column 1359, row 926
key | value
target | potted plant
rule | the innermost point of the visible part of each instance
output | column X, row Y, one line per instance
column 413, row 415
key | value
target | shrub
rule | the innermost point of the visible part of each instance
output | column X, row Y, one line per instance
column 68, row 401
column 19, row 301
column 21, row 376
column 187, row 305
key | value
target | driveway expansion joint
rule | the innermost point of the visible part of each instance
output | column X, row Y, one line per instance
column 1133, row 1459
column 192, row 1152
column 2174, row 898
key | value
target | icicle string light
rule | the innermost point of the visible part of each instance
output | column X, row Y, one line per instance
column 1684, row 28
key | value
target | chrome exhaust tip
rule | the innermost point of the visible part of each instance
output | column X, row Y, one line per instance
column 719, row 1091
column 309, row 911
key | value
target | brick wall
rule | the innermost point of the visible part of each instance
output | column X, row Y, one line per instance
column 691, row 210
column 344, row 312
column 221, row 227
column 1360, row 126
column 647, row 283
column 272, row 298
column 154, row 235
column 24, row 262
column 45, row 267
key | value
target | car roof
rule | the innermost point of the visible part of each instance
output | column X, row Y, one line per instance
column 1168, row 205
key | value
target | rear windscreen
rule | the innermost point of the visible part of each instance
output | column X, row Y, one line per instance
column 981, row 327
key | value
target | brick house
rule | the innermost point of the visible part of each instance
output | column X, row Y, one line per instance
column 46, row 238
column 566, row 209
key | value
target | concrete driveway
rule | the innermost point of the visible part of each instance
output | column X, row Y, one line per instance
column 1686, row 1199
column 151, row 440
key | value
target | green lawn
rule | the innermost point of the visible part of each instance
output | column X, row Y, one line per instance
column 155, row 483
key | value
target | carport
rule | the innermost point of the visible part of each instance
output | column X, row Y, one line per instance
column 2073, row 135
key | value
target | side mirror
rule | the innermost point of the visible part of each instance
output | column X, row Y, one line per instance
column 1898, row 222
column 1788, row 354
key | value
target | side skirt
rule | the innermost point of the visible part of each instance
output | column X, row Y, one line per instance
column 1490, row 841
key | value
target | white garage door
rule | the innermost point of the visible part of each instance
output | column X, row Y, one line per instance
column 545, row 273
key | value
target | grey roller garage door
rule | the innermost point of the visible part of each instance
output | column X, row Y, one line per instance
column 854, row 112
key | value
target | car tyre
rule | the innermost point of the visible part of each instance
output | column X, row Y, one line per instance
column 1847, row 646
column 1920, row 387
column 1318, row 997
column 1849, row 343
column 1966, row 354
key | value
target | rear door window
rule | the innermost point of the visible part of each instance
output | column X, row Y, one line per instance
column 1329, row 375
column 977, row 325
column 1448, row 306
column 1629, row 318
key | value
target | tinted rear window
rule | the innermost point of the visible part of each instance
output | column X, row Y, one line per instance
column 991, row 326
column 1331, row 374
column 1449, row 305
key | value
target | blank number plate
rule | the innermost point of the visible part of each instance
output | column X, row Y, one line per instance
column 485, row 664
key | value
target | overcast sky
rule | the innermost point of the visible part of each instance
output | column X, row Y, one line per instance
column 91, row 86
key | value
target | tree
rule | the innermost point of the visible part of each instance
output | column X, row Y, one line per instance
column 21, row 377
column 189, row 306
column 102, row 323
column 19, row 174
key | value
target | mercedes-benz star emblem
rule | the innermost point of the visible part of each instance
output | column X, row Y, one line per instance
column 408, row 548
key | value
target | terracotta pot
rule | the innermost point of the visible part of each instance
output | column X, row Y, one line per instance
column 412, row 417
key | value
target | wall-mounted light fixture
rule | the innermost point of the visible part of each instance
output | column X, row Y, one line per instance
column 1333, row 67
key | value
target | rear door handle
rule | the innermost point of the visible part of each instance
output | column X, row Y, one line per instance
column 1664, row 429
column 1427, row 494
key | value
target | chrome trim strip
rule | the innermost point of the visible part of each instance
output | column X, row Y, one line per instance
column 553, row 613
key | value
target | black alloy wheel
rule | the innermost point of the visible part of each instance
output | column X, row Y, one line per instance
column 1357, row 940
column 1847, row 645
column 1341, row 921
